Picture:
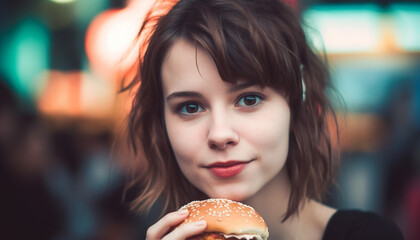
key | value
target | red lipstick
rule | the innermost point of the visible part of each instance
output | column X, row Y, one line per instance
column 227, row 169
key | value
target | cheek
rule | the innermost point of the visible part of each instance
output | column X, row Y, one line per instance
column 186, row 139
column 269, row 136
column 269, row 130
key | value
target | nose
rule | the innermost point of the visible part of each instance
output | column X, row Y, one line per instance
column 221, row 133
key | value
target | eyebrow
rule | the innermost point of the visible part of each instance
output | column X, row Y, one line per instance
column 235, row 88
column 184, row 94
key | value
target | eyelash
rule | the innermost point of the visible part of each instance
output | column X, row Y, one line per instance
column 185, row 104
column 259, row 97
column 250, row 94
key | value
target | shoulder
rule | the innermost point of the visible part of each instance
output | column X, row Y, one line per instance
column 360, row 225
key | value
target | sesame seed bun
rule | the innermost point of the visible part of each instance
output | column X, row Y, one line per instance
column 228, row 218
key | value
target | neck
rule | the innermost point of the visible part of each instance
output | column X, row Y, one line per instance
column 272, row 201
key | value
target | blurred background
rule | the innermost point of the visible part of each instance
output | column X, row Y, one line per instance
column 60, row 112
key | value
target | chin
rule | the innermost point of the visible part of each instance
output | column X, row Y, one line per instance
column 233, row 192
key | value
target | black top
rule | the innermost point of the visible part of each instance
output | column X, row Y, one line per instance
column 358, row 225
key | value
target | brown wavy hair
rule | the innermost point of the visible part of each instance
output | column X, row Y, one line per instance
column 258, row 40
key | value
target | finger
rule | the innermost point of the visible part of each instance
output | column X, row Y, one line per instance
column 161, row 227
column 186, row 231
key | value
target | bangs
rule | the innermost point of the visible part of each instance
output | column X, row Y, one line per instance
column 245, row 44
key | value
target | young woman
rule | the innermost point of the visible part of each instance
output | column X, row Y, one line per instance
column 232, row 105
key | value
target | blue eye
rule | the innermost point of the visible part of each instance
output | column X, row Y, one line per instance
column 190, row 108
column 249, row 100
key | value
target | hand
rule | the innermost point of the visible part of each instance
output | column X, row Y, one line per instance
column 160, row 230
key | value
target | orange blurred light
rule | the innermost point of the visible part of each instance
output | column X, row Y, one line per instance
column 111, row 44
column 108, row 38
column 76, row 94
column 360, row 132
column 61, row 94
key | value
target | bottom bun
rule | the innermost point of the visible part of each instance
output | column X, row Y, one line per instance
column 207, row 236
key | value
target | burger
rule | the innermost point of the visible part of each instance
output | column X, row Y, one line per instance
column 226, row 220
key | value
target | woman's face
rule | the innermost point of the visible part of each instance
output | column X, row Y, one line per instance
column 229, row 140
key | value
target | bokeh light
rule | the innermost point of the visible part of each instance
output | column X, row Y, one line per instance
column 63, row 1
column 110, row 40
column 406, row 19
column 76, row 93
column 25, row 54
column 345, row 28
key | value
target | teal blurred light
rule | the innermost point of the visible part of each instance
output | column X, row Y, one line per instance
column 62, row 1
column 87, row 10
column 25, row 54
column 406, row 20
column 344, row 28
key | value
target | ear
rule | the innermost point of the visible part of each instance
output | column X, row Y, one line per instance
column 303, row 83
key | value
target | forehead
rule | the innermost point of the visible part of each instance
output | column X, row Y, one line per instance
column 185, row 66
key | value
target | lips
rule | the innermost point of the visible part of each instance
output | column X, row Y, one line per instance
column 227, row 169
